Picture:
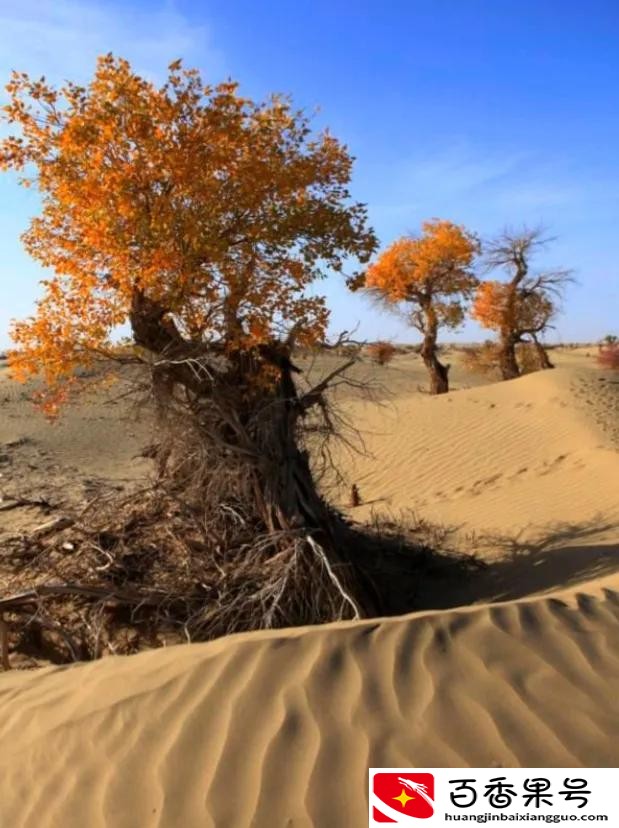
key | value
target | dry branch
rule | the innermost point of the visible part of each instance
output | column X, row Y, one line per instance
column 4, row 644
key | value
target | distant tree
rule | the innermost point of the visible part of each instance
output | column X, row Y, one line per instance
column 199, row 218
column 522, row 308
column 431, row 276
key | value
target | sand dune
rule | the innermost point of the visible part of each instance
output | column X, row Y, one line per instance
column 505, row 463
column 278, row 729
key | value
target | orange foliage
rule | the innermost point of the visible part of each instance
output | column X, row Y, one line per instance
column 218, row 209
column 503, row 306
column 432, row 271
column 490, row 305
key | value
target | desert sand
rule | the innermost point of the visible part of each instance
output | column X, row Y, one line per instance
column 278, row 728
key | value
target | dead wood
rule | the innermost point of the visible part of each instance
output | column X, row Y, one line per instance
column 4, row 644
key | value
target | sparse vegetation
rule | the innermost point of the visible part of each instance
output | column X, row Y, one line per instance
column 485, row 359
column 482, row 359
column 381, row 352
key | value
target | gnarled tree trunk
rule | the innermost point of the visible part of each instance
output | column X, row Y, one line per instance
column 508, row 363
column 439, row 373
column 510, row 336
column 257, row 424
column 542, row 355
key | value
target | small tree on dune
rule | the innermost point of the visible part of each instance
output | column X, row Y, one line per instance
column 199, row 218
column 432, row 277
column 522, row 308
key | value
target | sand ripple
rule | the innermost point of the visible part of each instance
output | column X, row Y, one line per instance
column 278, row 729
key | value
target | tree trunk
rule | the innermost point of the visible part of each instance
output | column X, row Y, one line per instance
column 508, row 363
column 258, row 424
column 289, row 500
column 439, row 373
column 283, row 476
column 542, row 355
column 507, row 357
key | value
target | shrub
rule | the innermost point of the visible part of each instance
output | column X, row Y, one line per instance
column 381, row 352
column 482, row 359
column 608, row 356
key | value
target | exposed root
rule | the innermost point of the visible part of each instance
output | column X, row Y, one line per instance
column 233, row 536
column 158, row 571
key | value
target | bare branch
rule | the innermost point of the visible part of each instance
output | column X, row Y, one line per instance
column 313, row 396
column 511, row 248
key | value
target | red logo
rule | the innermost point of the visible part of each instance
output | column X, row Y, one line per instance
column 401, row 797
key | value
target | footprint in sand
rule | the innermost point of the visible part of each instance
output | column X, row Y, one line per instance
column 550, row 465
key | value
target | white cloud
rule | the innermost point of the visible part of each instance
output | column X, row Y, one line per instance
column 460, row 170
column 62, row 38
column 478, row 187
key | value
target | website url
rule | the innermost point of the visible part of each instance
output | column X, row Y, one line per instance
column 527, row 817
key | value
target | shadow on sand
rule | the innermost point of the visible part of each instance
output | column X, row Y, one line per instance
column 510, row 567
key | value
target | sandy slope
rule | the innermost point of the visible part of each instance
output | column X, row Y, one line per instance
column 278, row 729
column 532, row 461
column 92, row 449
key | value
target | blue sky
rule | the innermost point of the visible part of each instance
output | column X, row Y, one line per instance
column 486, row 112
